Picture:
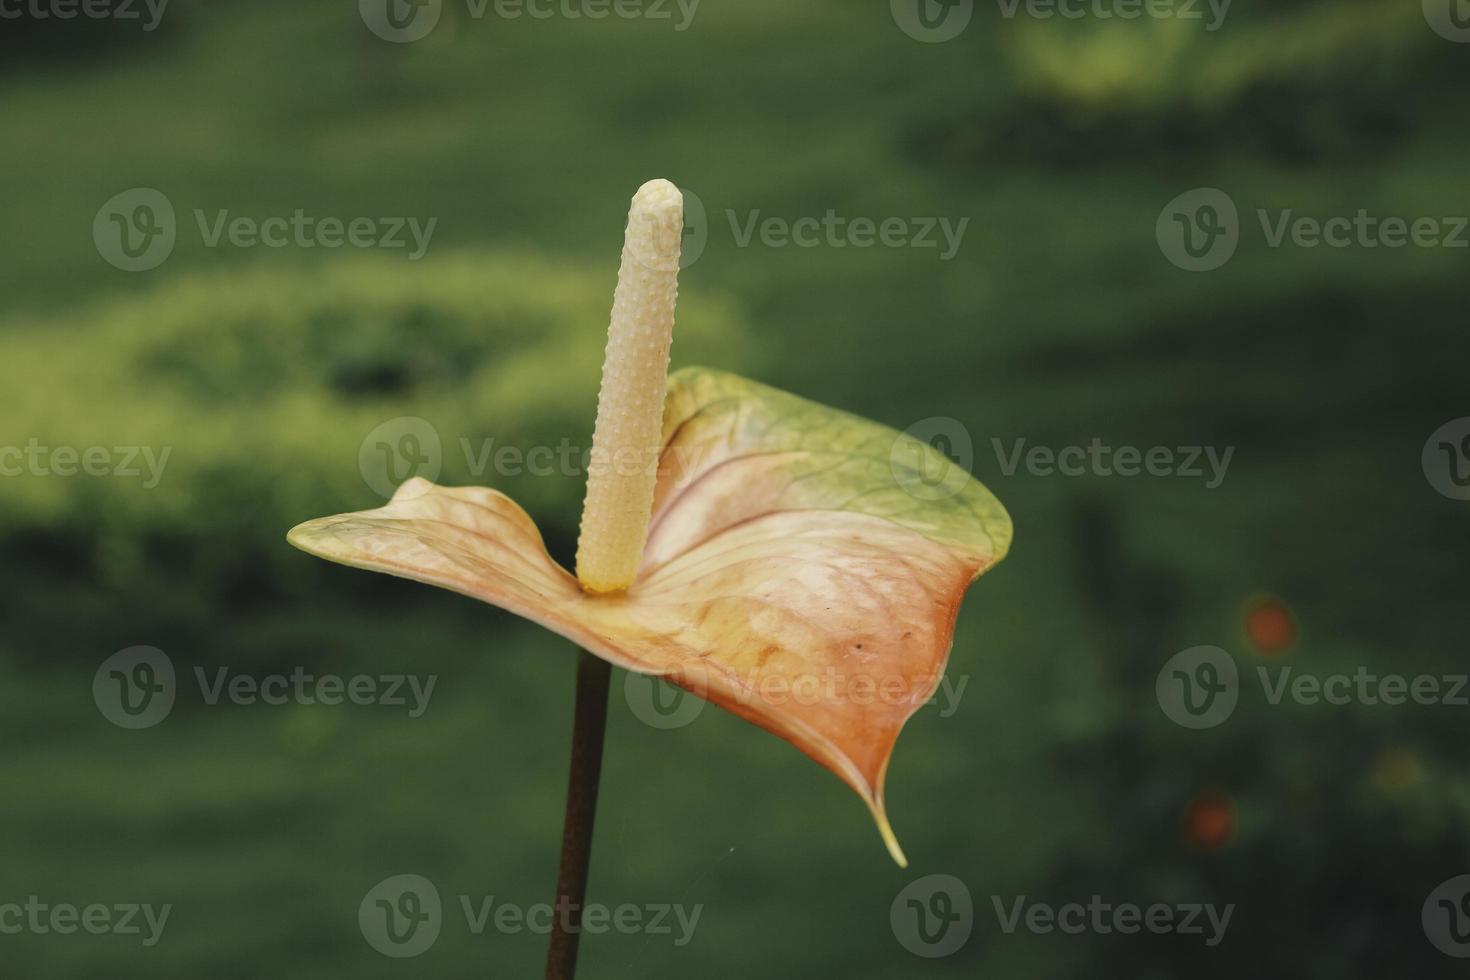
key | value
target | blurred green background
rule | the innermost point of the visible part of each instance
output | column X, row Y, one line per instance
column 1059, row 320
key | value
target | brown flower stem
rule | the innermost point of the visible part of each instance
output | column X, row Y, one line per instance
column 589, row 724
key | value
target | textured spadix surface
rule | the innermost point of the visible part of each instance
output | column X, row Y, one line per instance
column 800, row 569
column 626, row 443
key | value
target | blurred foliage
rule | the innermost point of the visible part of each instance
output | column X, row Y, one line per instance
column 37, row 36
column 262, row 384
column 1176, row 65
column 1291, row 81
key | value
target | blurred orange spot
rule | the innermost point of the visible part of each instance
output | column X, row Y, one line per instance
column 1269, row 626
column 1209, row 820
column 1397, row 769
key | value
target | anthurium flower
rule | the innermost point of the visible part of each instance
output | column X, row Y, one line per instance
column 794, row 564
